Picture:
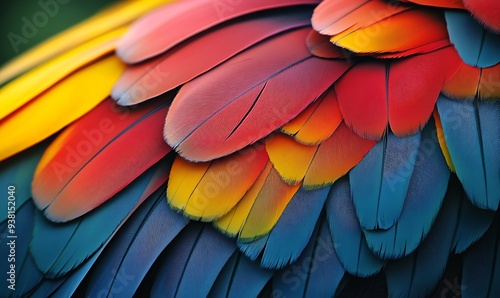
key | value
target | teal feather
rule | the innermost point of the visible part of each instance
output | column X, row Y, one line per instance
column 240, row 278
column 481, row 271
column 473, row 222
column 294, row 228
column 317, row 272
column 472, row 134
column 380, row 181
column 253, row 249
column 192, row 262
column 425, row 195
column 417, row 274
column 127, row 259
column 58, row 248
column 475, row 45
column 18, row 171
column 347, row 235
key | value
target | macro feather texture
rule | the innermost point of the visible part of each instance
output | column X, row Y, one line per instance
column 283, row 148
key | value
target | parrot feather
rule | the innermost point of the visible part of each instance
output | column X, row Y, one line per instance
column 153, row 77
column 15, row 94
column 76, row 175
column 481, row 271
column 380, row 181
column 209, row 190
column 73, row 242
column 470, row 81
column 410, row 276
column 472, row 133
column 317, row 122
column 150, row 30
column 475, row 45
column 67, row 101
column 334, row 17
column 195, row 257
column 290, row 158
column 486, row 11
column 427, row 188
column 135, row 247
column 20, row 169
column 350, row 244
column 317, row 272
column 271, row 94
column 294, row 228
column 114, row 17
column 335, row 157
column 239, row 276
column 472, row 222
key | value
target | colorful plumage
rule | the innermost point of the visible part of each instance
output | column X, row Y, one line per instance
column 283, row 148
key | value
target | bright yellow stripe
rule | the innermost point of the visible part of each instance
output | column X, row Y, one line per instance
column 58, row 106
column 33, row 83
column 442, row 141
column 116, row 16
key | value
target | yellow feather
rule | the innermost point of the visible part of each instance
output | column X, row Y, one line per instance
column 290, row 158
column 64, row 102
column 442, row 141
column 232, row 222
column 208, row 190
column 112, row 18
column 33, row 83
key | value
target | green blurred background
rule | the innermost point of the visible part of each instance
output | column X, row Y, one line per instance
column 15, row 14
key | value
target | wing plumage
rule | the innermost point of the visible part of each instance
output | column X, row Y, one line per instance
column 266, row 148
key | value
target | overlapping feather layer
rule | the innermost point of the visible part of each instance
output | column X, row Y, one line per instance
column 364, row 141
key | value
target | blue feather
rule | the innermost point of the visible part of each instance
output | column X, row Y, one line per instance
column 253, row 249
column 317, row 272
column 417, row 274
column 18, row 172
column 475, row 45
column 347, row 235
column 472, row 133
column 473, row 222
column 293, row 230
column 132, row 252
column 66, row 286
column 481, row 271
column 240, row 278
column 57, row 248
column 286, row 241
column 424, row 197
column 192, row 262
column 380, row 181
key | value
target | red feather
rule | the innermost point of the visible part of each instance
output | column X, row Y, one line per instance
column 186, row 61
column 248, row 97
column 362, row 96
column 96, row 157
column 487, row 11
column 142, row 40
column 414, row 86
